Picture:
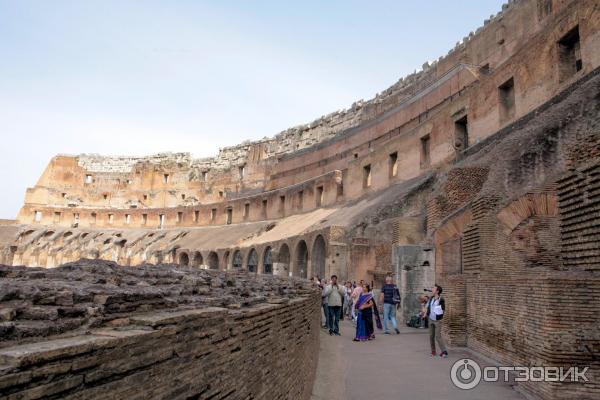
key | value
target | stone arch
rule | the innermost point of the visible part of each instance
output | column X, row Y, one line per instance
column 226, row 260
column 212, row 260
column 301, row 260
column 198, row 260
column 268, row 261
column 531, row 225
column 528, row 206
column 238, row 260
column 318, row 255
column 184, row 259
column 282, row 267
column 252, row 261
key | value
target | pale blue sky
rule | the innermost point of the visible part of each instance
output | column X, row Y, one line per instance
column 141, row 77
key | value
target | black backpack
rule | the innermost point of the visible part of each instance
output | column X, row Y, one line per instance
column 414, row 322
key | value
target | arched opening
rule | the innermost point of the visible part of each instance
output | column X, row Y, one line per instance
column 283, row 261
column 184, row 260
column 198, row 261
column 226, row 260
column 237, row 261
column 252, row 264
column 318, row 257
column 268, row 261
column 301, row 260
column 213, row 260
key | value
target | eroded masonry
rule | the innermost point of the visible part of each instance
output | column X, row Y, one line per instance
column 481, row 172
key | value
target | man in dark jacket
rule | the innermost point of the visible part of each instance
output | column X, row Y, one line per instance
column 435, row 312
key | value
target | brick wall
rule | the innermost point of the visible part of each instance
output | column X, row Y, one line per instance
column 261, row 342
column 579, row 203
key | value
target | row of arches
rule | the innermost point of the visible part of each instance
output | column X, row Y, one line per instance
column 268, row 260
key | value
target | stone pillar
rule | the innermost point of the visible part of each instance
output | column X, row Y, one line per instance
column 414, row 271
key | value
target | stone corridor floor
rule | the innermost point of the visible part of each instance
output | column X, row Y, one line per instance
column 394, row 367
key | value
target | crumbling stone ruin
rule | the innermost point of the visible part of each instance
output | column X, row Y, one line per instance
column 479, row 172
column 176, row 332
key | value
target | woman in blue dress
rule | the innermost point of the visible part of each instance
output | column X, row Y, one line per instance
column 366, row 307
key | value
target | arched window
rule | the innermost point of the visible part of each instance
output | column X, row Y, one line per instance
column 268, row 261
column 184, row 260
column 237, row 259
column 252, row 261
column 318, row 257
column 213, row 260
column 301, row 260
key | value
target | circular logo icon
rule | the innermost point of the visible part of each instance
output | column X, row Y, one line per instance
column 465, row 374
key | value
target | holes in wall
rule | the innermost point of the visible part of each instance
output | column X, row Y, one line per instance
column 229, row 216
column 144, row 219
column 220, row 194
column 204, row 176
column 127, row 219
column 281, row 205
column 93, row 218
column 111, row 218
column 57, row 217
column 145, row 197
column 105, row 196
column 37, row 216
column 182, row 196
column 179, row 217
column 319, row 196
column 393, row 164
column 485, row 69
column 300, row 203
column 461, row 133
column 196, row 216
column 88, row 179
column 506, row 100
column 63, row 195
column 246, row 210
column 161, row 221
column 425, row 151
column 264, row 208
column 367, row 176
column 241, row 171
column 569, row 54
column 213, row 215
column 166, row 178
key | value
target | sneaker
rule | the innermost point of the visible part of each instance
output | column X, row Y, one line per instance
column 433, row 354
column 444, row 354
column 397, row 331
column 330, row 332
column 386, row 333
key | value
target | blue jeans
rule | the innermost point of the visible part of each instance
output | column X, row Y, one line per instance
column 389, row 312
column 334, row 319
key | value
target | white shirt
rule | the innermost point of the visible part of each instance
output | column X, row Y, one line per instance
column 434, row 308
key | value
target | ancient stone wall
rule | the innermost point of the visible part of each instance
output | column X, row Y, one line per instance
column 97, row 330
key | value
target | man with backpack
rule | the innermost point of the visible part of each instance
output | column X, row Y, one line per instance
column 435, row 312
column 390, row 297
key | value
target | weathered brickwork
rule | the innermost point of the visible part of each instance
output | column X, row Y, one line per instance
column 176, row 333
column 479, row 172
column 579, row 194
